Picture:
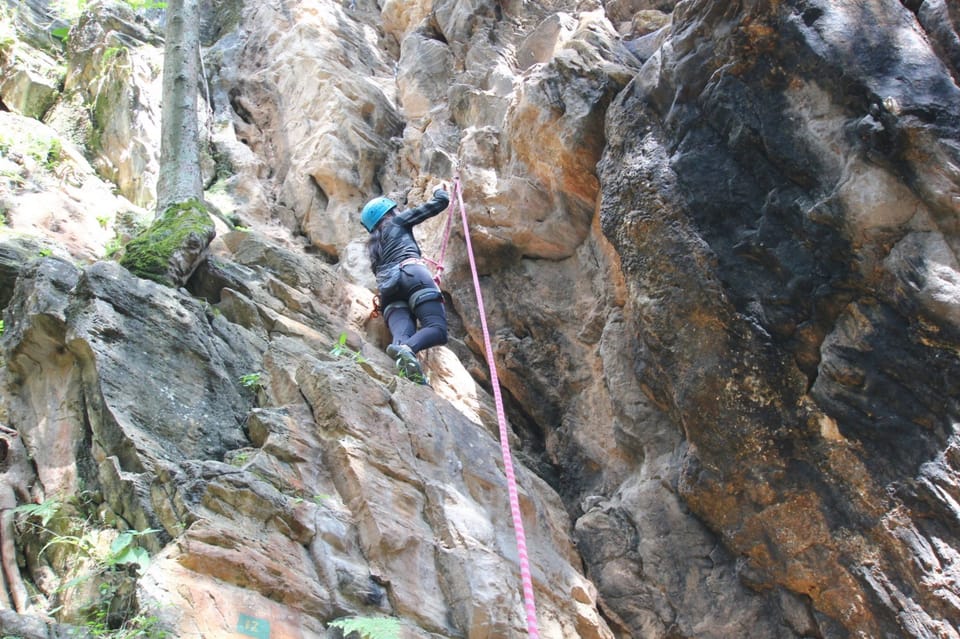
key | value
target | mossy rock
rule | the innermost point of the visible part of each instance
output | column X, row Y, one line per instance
column 170, row 249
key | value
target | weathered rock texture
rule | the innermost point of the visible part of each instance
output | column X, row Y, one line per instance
column 718, row 245
column 781, row 186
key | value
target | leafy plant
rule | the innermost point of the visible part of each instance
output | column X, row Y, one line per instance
column 369, row 627
column 413, row 376
column 8, row 35
column 340, row 349
column 135, row 627
column 251, row 380
column 70, row 10
column 124, row 551
column 53, row 155
column 111, row 247
column 47, row 518
column 45, row 511
column 46, row 151
column 61, row 33
column 13, row 176
column 111, row 52
column 145, row 5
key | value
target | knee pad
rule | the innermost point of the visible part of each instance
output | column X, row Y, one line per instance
column 423, row 295
column 391, row 307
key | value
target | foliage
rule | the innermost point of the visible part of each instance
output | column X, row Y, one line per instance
column 251, row 380
column 413, row 376
column 53, row 155
column 138, row 627
column 8, row 34
column 134, row 627
column 46, row 150
column 124, row 551
column 112, row 246
column 369, row 627
column 70, row 11
column 61, row 33
column 2, row 328
column 340, row 349
column 112, row 52
column 44, row 511
column 51, row 521
column 146, row 5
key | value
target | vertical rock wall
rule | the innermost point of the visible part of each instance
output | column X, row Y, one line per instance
column 784, row 209
column 717, row 244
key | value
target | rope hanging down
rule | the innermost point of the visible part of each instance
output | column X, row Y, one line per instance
column 525, row 577
column 438, row 263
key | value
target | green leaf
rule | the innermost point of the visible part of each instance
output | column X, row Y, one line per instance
column 45, row 510
column 60, row 33
column 369, row 627
column 250, row 380
column 136, row 555
column 121, row 543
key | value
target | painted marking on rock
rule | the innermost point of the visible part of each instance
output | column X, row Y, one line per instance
column 253, row 627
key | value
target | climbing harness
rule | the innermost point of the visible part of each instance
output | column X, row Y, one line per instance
column 436, row 264
column 525, row 577
column 420, row 295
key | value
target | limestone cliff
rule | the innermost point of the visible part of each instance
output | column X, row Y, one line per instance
column 717, row 242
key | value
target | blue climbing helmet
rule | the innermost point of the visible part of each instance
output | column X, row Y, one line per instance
column 374, row 211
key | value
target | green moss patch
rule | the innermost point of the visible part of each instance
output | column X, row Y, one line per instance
column 165, row 252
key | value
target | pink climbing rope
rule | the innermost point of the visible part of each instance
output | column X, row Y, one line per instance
column 438, row 263
column 525, row 577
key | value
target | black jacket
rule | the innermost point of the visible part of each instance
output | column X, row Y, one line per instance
column 396, row 242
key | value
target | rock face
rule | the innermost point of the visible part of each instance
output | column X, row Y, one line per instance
column 342, row 490
column 717, row 243
column 798, row 296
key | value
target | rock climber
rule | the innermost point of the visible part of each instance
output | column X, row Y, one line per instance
column 408, row 294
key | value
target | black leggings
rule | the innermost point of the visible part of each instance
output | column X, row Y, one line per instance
column 433, row 325
column 430, row 313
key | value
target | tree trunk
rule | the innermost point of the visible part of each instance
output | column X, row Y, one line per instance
column 170, row 250
column 179, row 179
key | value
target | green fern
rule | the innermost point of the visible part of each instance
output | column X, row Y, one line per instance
column 251, row 380
column 340, row 349
column 369, row 627
column 45, row 510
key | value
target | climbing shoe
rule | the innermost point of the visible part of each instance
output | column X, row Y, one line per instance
column 407, row 364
